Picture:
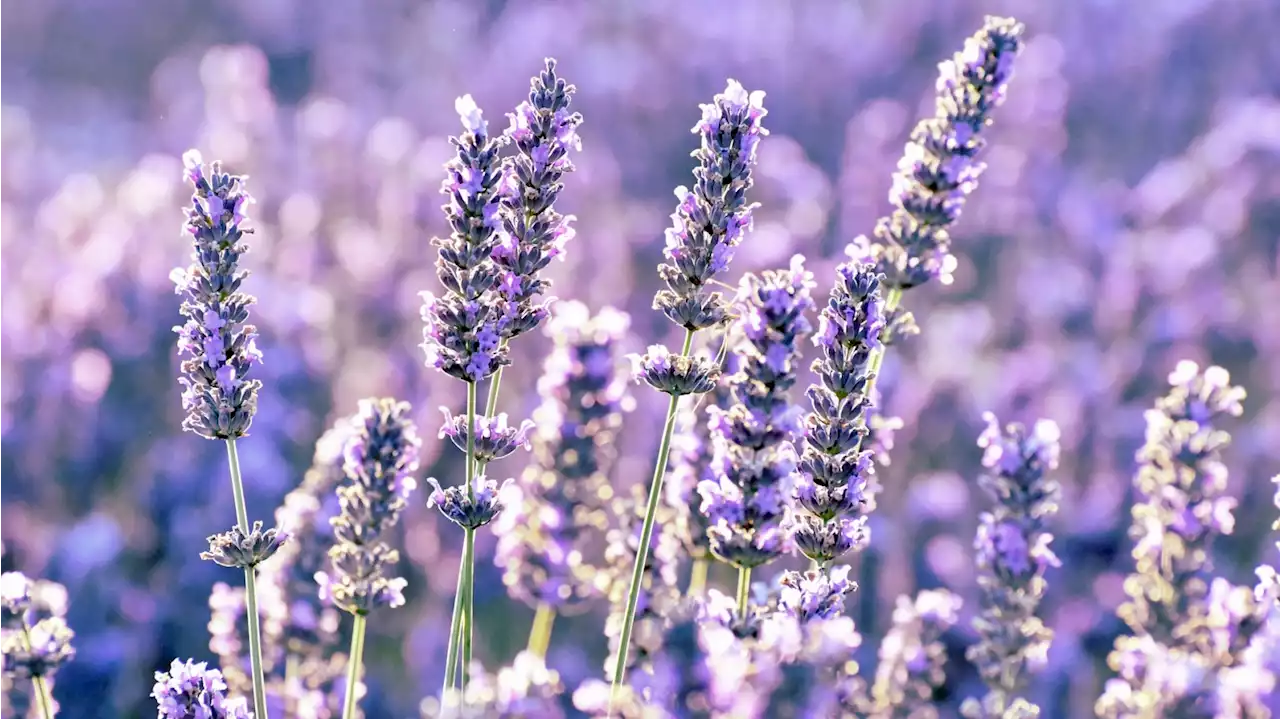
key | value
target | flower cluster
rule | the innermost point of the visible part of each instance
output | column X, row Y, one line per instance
column 747, row 499
column 939, row 168
column 711, row 219
column 556, row 504
column 544, row 130
column 34, row 638
column 463, row 329
column 835, row 470
column 912, row 657
column 1012, row 551
column 379, row 460
column 191, row 690
column 814, row 594
column 220, row 349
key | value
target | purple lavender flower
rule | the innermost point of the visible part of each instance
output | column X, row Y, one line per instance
column 463, row 332
column 711, row 220
column 219, row 398
column 912, row 657
column 938, row 170
column 544, row 130
column 1012, row 555
column 747, row 500
column 673, row 374
column 814, row 594
column 191, row 690
column 495, row 438
column 804, row 666
column 834, row 469
column 244, row 550
column 379, row 461
column 34, row 639
column 469, row 507
column 524, row 689
column 543, row 536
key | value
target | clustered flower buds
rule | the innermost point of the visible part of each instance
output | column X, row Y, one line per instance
column 238, row 549
column 191, row 690
column 221, row 349
column 379, row 461
column 34, row 635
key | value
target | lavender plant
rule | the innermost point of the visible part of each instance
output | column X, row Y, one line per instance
column 35, row 640
column 709, row 223
column 221, row 350
column 1012, row 555
column 379, row 460
column 912, row 657
column 191, row 690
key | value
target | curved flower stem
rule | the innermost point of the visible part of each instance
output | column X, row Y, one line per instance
column 540, row 634
column 354, row 664
column 891, row 302
column 744, row 590
column 250, row 589
column 38, row 683
column 698, row 577
column 646, row 535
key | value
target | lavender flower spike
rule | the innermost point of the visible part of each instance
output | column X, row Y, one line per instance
column 544, row 130
column 1012, row 555
column 221, row 349
column 749, row 497
column 462, row 336
column 912, row 657
column 833, row 489
column 939, row 168
column 191, row 690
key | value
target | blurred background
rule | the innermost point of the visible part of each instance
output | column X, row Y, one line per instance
column 1130, row 217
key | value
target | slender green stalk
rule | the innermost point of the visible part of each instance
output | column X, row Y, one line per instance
column 646, row 535
column 354, row 664
column 891, row 302
column 469, row 604
column 698, row 577
column 250, row 589
column 460, row 625
column 495, row 384
column 455, row 631
column 540, row 634
column 744, row 589
column 38, row 682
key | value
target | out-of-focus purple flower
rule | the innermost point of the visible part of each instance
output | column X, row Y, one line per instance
column 220, row 349
column 556, row 510
column 495, row 438
column 674, row 374
column 1012, row 554
column 834, row 469
column 748, row 497
column 34, row 646
column 939, row 168
column 712, row 218
column 544, row 130
column 191, row 690
column 463, row 329
column 804, row 667
column 912, row 657
column 524, row 689
column 379, row 460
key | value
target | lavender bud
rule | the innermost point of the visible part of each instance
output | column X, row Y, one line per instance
column 815, row 595
column 463, row 328
column 221, row 349
column 191, row 690
column 379, row 460
column 939, row 168
column 469, row 512
column 236, row 549
column 544, row 131
column 712, row 218
column 674, row 374
column 495, row 439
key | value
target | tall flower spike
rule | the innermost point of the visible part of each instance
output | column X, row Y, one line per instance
column 555, row 509
column 1013, row 553
column 833, row 489
column 912, row 657
column 748, row 498
column 939, row 168
column 544, row 130
column 712, row 218
column 379, row 461
column 463, row 331
column 220, row 348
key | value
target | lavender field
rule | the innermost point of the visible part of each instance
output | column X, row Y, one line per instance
column 651, row 360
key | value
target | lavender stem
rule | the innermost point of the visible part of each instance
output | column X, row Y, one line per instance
column 469, row 603
column 540, row 635
column 38, row 683
column 354, row 664
column 461, row 625
column 744, row 590
column 646, row 536
column 250, row 588
column 698, row 577
column 455, row 631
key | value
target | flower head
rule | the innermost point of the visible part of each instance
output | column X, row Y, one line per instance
column 191, row 690
column 674, row 374
column 469, row 510
column 220, row 348
column 495, row 438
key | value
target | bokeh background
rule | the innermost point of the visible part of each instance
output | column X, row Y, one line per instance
column 1130, row 217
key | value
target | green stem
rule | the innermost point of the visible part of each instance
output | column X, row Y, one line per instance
column 698, row 577
column 877, row 358
column 460, row 625
column 354, row 664
column 491, row 406
column 646, row 535
column 38, row 683
column 469, row 558
column 455, row 631
column 250, row 589
column 540, row 634
column 744, row 590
